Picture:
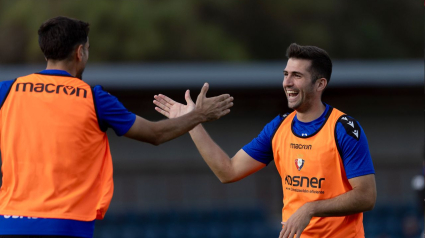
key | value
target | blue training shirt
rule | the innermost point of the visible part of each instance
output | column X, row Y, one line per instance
column 355, row 153
column 111, row 114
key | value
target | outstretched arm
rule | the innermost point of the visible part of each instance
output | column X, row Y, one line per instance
column 205, row 109
column 225, row 168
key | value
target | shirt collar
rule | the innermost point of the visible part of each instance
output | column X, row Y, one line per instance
column 55, row 72
column 322, row 117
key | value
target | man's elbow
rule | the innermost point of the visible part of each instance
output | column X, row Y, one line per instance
column 156, row 140
column 227, row 179
column 369, row 203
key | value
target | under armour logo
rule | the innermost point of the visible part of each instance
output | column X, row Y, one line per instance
column 356, row 133
column 344, row 118
column 304, row 134
column 351, row 124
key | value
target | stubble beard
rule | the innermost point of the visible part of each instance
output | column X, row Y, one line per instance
column 303, row 104
column 295, row 105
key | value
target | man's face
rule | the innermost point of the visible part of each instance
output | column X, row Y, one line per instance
column 298, row 85
column 84, row 59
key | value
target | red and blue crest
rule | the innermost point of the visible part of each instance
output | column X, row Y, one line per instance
column 299, row 163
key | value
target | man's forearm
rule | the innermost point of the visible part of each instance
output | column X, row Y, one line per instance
column 214, row 156
column 351, row 202
column 162, row 131
column 172, row 128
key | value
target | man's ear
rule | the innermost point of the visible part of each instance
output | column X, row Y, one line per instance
column 80, row 52
column 321, row 84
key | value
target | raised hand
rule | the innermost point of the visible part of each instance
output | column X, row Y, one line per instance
column 209, row 108
column 214, row 107
column 170, row 108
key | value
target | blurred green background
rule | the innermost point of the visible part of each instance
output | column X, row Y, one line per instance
column 219, row 30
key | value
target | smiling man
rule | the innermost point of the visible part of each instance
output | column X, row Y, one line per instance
column 321, row 154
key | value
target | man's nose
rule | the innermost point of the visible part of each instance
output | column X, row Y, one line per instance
column 287, row 81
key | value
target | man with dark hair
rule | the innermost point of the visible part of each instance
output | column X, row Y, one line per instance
column 57, row 167
column 321, row 64
column 321, row 154
column 58, row 36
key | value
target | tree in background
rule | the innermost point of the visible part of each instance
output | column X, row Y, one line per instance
column 246, row 30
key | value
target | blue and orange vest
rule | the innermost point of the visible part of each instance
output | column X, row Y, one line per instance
column 311, row 169
column 56, row 161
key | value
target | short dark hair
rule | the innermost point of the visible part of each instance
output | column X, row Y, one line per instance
column 321, row 64
column 58, row 36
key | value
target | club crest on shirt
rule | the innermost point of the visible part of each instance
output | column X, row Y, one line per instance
column 299, row 163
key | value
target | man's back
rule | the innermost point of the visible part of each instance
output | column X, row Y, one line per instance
column 54, row 152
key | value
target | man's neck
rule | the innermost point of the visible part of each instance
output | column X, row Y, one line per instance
column 62, row 65
column 312, row 113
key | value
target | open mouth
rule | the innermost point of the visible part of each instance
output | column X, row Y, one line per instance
column 292, row 94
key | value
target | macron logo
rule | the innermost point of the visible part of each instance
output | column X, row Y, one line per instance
column 356, row 133
column 50, row 88
column 351, row 124
column 300, row 146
